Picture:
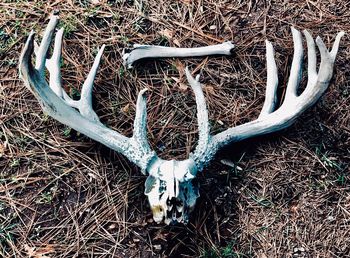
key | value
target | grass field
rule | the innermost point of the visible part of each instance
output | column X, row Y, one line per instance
column 282, row 195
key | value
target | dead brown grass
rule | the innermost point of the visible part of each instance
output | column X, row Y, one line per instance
column 63, row 195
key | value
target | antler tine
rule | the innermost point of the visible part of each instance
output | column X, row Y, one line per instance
column 336, row 43
column 203, row 123
column 272, row 81
column 311, row 59
column 140, row 122
column 85, row 102
column 296, row 69
column 45, row 44
column 25, row 62
column 53, row 65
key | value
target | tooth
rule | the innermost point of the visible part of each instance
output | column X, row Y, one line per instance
column 158, row 212
column 174, row 215
column 180, row 208
column 158, row 219
column 167, row 220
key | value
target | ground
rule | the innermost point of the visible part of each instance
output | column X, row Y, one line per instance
column 282, row 195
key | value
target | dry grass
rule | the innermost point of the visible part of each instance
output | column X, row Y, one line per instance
column 63, row 195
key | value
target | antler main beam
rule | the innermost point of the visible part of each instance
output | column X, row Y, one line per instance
column 273, row 119
column 56, row 103
column 147, row 51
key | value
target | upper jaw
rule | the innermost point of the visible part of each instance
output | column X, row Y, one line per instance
column 170, row 190
column 175, row 209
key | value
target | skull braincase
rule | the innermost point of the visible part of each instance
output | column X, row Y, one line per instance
column 170, row 190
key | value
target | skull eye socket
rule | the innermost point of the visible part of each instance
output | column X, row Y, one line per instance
column 162, row 186
column 150, row 184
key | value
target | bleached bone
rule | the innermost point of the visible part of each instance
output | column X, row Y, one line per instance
column 169, row 186
column 273, row 119
column 55, row 104
column 148, row 51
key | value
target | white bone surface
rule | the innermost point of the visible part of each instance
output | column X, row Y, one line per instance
column 148, row 51
column 274, row 119
column 62, row 108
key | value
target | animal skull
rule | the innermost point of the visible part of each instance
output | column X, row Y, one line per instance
column 170, row 190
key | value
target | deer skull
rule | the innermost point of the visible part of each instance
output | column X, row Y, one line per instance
column 170, row 191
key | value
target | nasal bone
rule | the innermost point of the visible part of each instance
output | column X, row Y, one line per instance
column 176, row 188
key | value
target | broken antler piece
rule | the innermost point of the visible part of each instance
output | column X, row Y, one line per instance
column 147, row 51
column 169, row 185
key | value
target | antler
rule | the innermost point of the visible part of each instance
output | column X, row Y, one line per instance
column 61, row 107
column 148, row 51
column 270, row 118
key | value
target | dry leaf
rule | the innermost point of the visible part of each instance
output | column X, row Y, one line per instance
column 30, row 250
column 209, row 89
column 167, row 33
column 176, row 43
column 126, row 108
column 92, row 176
column 183, row 87
column 262, row 255
column 180, row 67
column 112, row 226
column 187, row 2
column 39, row 252
column 2, row 149
column 161, row 235
column 294, row 208
column 177, row 80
